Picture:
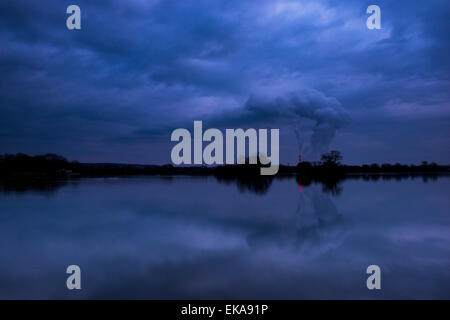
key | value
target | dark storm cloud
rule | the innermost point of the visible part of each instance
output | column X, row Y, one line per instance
column 114, row 90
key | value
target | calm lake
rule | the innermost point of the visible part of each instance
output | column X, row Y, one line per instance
column 197, row 237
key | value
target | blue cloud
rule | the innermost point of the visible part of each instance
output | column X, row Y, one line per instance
column 114, row 90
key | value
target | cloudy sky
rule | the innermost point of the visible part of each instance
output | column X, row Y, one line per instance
column 114, row 90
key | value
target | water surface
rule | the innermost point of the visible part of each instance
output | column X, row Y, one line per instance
column 191, row 237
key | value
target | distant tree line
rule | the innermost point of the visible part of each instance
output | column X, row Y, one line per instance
column 331, row 163
column 55, row 166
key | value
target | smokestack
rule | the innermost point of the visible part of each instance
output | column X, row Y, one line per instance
column 299, row 158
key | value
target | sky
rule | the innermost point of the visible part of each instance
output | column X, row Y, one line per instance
column 116, row 89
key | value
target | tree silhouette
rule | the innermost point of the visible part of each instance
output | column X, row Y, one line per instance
column 331, row 158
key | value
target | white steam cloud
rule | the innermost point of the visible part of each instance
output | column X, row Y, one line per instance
column 325, row 112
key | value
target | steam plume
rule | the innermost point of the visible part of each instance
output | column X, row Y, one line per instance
column 326, row 113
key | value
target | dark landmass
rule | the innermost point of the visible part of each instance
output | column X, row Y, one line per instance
column 48, row 172
column 55, row 166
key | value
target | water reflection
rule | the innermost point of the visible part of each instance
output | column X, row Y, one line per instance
column 47, row 187
column 314, row 223
column 197, row 237
column 254, row 184
column 315, row 209
column 258, row 185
